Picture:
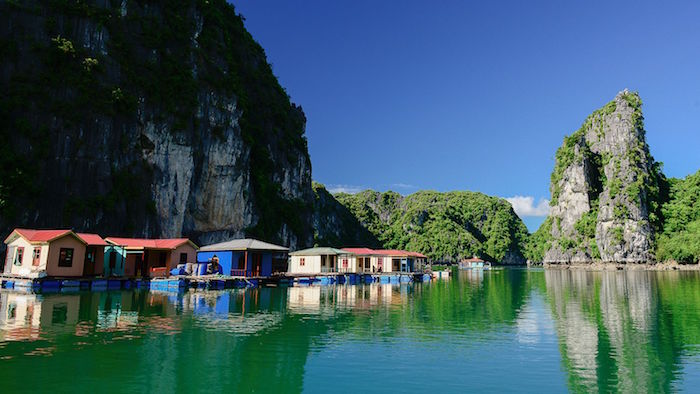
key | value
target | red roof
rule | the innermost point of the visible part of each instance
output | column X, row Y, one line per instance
column 92, row 239
column 473, row 260
column 40, row 236
column 170, row 243
column 385, row 252
column 361, row 251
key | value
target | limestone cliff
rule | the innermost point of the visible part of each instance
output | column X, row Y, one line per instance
column 147, row 118
column 605, row 190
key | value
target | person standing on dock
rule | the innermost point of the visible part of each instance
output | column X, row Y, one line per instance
column 214, row 267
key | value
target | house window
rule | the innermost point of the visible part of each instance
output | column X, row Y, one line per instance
column 162, row 257
column 380, row 264
column 183, row 258
column 345, row 263
column 19, row 255
column 302, row 261
column 36, row 257
column 65, row 257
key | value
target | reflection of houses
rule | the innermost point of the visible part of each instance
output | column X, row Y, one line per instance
column 246, row 257
column 34, row 253
column 305, row 299
column 23, row 315
column 150, row 257
column 320, row 260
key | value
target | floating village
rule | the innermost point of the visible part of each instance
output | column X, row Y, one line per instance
column 64, row 260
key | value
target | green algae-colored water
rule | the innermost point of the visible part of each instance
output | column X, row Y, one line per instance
column 499, row 331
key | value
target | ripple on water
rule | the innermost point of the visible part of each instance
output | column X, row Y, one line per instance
column 517, row 330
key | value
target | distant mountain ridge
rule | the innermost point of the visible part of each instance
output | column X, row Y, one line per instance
column 444, row 226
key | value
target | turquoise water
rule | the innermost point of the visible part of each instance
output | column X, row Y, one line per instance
column 499, row 331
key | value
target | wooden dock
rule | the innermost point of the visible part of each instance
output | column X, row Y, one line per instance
column 206, row 282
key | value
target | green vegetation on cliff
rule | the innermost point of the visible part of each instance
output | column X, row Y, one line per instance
column 335, row 225
column 539, row 242
column 91, row 82
column 444, row 226
column 680, row 239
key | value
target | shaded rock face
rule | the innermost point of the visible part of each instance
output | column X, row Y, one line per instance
column 336, row 226
column 149, row 119
column 605, row 189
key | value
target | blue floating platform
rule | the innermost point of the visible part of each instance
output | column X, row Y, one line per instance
column 70, row 283
column 99, row 284
column 114, row 284
column 50, row 284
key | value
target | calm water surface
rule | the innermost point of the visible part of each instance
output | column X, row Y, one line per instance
column 503, row 331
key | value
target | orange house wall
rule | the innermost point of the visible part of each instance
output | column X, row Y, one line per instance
column 130, row 265
column 99, row 260
column 52, row 268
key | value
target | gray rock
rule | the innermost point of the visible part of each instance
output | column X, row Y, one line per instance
column 608, row 180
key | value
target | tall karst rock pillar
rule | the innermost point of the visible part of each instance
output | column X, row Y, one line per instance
column 605, row 188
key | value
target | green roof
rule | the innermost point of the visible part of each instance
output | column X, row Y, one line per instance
column 317, row 251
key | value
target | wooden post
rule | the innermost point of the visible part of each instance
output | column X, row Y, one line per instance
column 245, row 263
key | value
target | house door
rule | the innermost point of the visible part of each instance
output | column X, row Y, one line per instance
column 141, row 265
column 89, row 265
column 112, row 263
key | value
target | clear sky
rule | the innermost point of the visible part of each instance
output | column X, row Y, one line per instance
column 458, row 95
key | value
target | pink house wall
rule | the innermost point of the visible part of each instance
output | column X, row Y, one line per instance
column 184, row 248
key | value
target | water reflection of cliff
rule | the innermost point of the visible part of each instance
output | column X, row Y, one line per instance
column 616, row 329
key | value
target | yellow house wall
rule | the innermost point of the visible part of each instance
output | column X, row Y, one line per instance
column 312, row 265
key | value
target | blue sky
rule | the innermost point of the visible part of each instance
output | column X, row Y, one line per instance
column 456, row 95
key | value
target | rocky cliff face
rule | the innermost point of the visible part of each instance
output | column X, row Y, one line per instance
column 144, row 118
column 605, row 189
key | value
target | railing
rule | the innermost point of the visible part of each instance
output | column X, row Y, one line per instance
column 238, row 272
column 328, row 269
column 159, row 271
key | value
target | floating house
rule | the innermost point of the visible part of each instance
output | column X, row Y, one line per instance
column 94, row 254
column 144, row 258
column 114, row 260
column 365, row 260
column 474, row 263
column 387, row 260
column 321, row 260
column 39, row 253
column 246, row 257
